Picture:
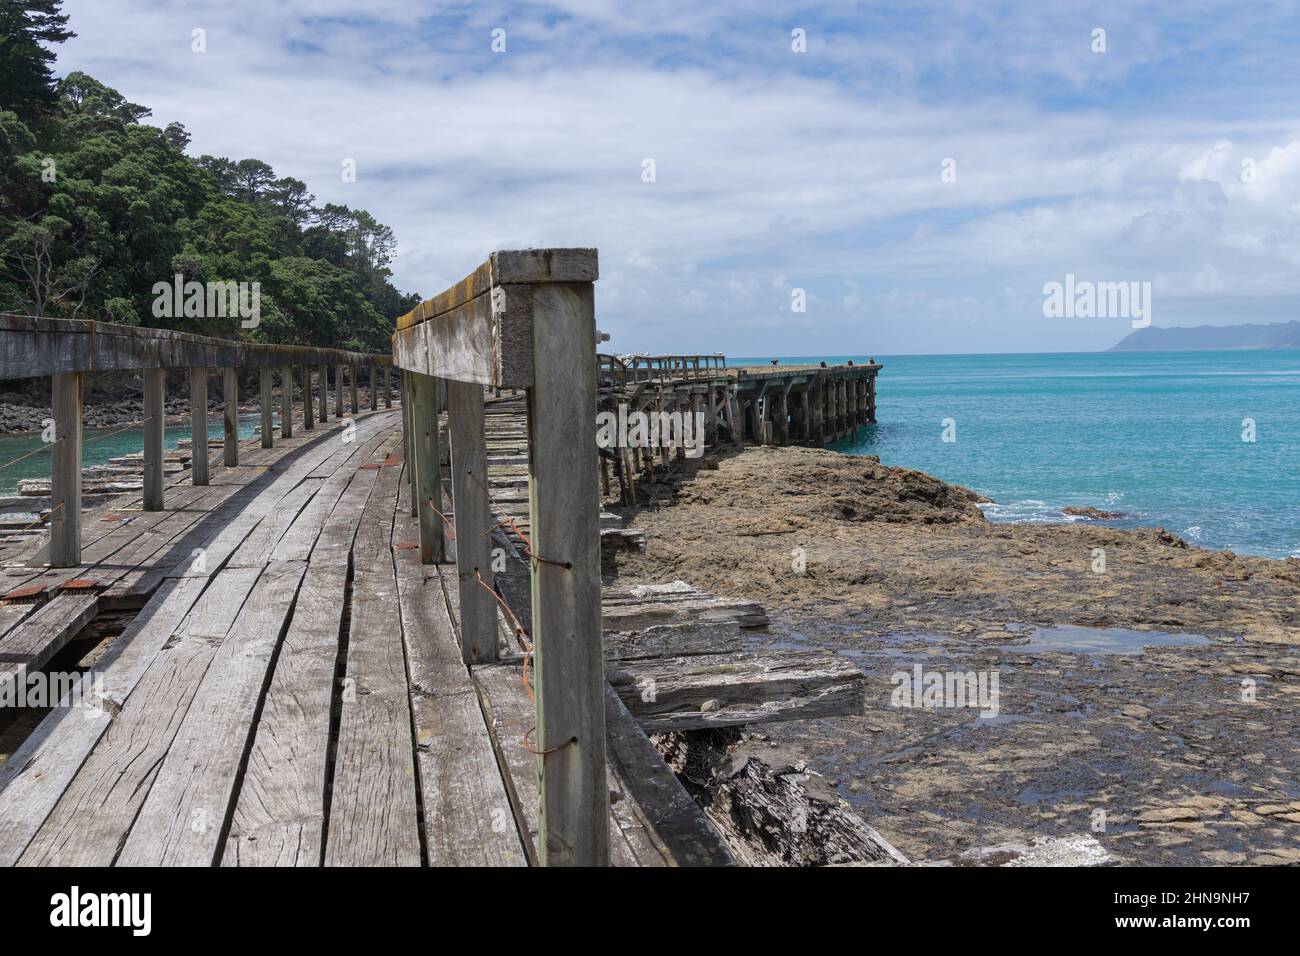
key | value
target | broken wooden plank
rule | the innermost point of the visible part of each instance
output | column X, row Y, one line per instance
column 721, row 690
column 95, row 814
column 33, row 779
column 633, row 617
column 673, row 640
column 673, row 818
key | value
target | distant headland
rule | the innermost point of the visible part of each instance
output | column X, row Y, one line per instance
column 1274, row 335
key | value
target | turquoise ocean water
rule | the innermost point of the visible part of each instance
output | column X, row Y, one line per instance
column 1155, row 435
column 98, row 446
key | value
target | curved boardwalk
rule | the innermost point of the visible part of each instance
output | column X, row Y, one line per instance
column 291, row 692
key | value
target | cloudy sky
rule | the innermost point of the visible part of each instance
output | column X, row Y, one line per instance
column 1172, row 157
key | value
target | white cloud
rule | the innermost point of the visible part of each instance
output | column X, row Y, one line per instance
column 765, row 173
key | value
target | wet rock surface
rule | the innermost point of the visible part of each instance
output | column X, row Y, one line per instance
column 1182, row 754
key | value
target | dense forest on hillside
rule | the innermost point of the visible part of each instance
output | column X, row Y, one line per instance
column 96, row 206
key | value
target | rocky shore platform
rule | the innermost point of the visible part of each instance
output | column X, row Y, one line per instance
column 1148, row 691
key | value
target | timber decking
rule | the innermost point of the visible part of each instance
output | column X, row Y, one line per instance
column 293, row 690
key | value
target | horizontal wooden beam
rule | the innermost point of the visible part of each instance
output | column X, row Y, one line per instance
column 481, row 329
column 33, row 348
column 508, row 267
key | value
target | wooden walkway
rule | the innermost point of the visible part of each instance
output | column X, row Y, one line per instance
column 292, row 691
column 385, row 640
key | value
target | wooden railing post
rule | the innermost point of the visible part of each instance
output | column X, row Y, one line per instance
column 286, row 402
column 323, row 375
column 308, row 418
column 388, row 386
column 155, row 381
column 264, row 381
column 570, row 676
column 338, row 390
column 65, row 473
column 199, row 426
column 408, row 437
column 352, row 387
column 230, row 393
column 374, row 392
column 426, row 467
column 473, row 517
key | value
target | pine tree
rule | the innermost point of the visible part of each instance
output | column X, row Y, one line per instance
column 26, row 80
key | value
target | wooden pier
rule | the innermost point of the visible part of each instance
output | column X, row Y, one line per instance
column 384, row 638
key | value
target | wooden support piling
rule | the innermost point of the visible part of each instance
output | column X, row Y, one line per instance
column 230, row 418
column 426, row 467
column 286, row 402
column 65, row 472
column 308, row 422
column 199, row 426
column 408, row 444
column 473, row 519
column 264, row 383
column 323, row 385
column 574, row 816
column 155, row 381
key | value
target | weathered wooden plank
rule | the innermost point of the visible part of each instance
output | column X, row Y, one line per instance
column 280, row 811
column 457, row 346
column 466, row 811
column 504, row 267
column 37, row 347
column 37, row 774
column 673, row 640
column 42, row 634
column 190, row 799
column 721, row 690
column 670, row 814
column 261, row 542
column 566, row 578
column 775, row 815
column 373, row 818
column 631, row 617
column 95, row 813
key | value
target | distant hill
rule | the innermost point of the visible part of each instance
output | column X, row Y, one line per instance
column 1275, row 335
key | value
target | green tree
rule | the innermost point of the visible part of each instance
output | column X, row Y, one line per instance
column 26, row 80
